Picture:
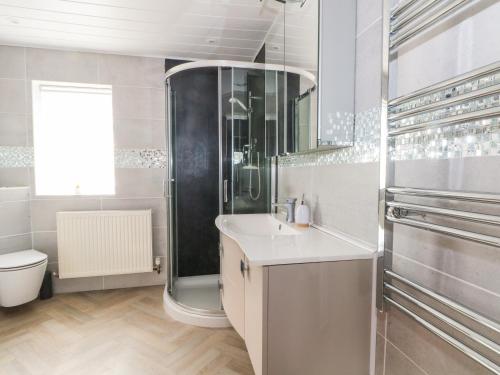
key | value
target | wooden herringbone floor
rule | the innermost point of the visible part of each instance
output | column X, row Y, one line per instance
column 120, row 332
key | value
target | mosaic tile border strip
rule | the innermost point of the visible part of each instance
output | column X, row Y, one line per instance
column 448, row 92
column 472, row 139
column 473, row 96
column 140, row 158
column 366, row 147
column 21, row 157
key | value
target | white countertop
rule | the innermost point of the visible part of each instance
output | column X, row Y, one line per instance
column 300, row 245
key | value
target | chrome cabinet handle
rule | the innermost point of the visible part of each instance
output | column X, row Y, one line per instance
column 225, row 191
column 243, row 267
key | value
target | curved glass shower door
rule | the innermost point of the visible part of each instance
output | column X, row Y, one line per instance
column 245, row 141
column 194, row 188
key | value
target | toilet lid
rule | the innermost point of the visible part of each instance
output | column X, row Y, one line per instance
column 21, row 259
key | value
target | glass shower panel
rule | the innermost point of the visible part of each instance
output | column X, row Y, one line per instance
column 248, row 185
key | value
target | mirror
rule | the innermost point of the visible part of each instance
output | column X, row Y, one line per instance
column 337, row 63
column 310, row 101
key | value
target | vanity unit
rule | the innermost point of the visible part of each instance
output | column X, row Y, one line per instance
column 300, row 298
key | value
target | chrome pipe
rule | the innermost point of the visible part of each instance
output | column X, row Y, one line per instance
column 476, row 115
column 453, row 232
column 406, row 35
column 446, row 194
column 474, row 336
column 450, row 340
column 473, row 74
column 462, row 310
column 465, row 215
column 486, row 91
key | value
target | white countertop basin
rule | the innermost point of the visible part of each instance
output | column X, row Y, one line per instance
column 266, row 240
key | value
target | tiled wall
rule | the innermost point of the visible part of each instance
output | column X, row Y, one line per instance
column 15, row 220
column 139, row 130
column 341, row 187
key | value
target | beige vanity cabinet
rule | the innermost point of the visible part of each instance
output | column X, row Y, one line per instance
column 306, row 318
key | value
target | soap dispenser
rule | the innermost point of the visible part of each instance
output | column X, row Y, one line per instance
column 303, row 215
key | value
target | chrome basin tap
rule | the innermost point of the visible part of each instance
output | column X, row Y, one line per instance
column 290, row 209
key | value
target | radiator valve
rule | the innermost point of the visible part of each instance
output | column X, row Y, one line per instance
column 157, row 266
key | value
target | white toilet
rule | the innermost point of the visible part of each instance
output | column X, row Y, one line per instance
column 21, row 276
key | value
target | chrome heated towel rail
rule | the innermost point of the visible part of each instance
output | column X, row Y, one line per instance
column 467, row 102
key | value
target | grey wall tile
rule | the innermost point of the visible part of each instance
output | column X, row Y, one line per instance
column 66, row 66
column 295, row 181
column 139, row 133
column 14, row 177
column 379, row 355
column 14, row 194
column 346, row 199
column 13, row 129
column 342, row 197
column 469, row 174
column 11, row 244
column 157, row 205
column 14, row 218
column 368, row 11
column 132, row 71
column 160, row 242
column 139, row 182
column 396, row 363
column 46, row 242
column 134, row 102
column 432, row 354
column 74, row 285
column 12, row 64
column 381, row 319
column 43, row 211
column 13, row 96
column 475, row 298
column 457, row 45
column 368, row 68
column 135, row 280
column 474, row 263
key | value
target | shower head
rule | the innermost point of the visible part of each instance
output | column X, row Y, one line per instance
column 234, row 100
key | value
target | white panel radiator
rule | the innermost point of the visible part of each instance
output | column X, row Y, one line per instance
column 97, row 243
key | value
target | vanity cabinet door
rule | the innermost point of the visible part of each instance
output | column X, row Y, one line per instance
column 233, row 284
column 256, row 317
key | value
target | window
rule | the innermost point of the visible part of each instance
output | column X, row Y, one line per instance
column 73, row 139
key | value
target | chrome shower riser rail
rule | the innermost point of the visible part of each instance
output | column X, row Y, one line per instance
column 474, row 336
column 450, row 340
column 456, row 214
column 462, row 310
column 406, row 34
column 453, row 232
column 452, row 120
column 472, row 75
column 446, row 194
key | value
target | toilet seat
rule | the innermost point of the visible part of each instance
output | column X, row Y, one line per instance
column 21, row 260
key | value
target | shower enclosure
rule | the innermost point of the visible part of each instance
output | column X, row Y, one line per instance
column 226, row 121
